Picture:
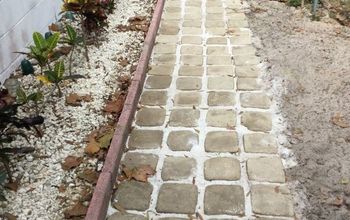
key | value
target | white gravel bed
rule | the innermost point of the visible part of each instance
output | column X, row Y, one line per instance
column 66, row 127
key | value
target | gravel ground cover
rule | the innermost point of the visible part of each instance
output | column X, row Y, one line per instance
column 309, row 60
column 46, row 190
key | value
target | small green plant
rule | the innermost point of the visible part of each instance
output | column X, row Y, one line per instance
column 34, row 97
column 43, row 49
column 74, row 41
column 56, row 76
column 294, row 3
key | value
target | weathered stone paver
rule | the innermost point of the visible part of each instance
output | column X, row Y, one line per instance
column 204, row 123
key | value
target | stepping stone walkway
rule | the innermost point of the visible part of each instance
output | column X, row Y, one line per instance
column 204, row 124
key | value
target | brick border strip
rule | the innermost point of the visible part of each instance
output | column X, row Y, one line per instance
column 100, row 200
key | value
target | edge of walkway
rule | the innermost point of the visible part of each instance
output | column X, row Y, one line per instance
column 103, row 190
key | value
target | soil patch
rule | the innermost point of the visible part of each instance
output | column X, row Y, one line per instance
column 311, row 59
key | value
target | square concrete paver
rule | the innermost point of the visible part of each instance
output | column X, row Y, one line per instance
column 243, row 50
column 220, row 70
column 257, row 121
column 221, row 141
column 222, row 168
column 219, row 60
column 187, row 99
column 191, row 50
column 177, row 198
column 221, row 118
column 221, row 83
column 217, row 50
column 189, row 83
column 161, row 70
column 184, row 118
column 125, row 216
column 153, row 98
column 266, row 169
column 158, row 82
column 271, row 200
column 260, row 143
column 150, row 117
column 164, row 59
column 217, row 40
column 132, row 160
column 145, row 139
column 248, row 84
column 221, row 99
column 191, row 40
column 191, row 71
column 255, row 100
column 134, row 195
column 192, row 60
column 178, row 168
column 182, row 140
column 165, row 48
column 247, row 71
column 224, row 200
column 244, row 60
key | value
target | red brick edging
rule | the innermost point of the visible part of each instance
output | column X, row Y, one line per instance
column 103, row 190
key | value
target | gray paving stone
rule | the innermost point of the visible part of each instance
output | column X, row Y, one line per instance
column 215, row 23
column 260, row 143
column 177, row 198
column 153, row 98
column 220, row 70
column 266, row 169
column 214, row 16
column 237, row 23
column 189, row 83
column 188, row 99
column 243, row 50
column 257, row 121
column 247, row 71
column 173, row 9
column 221, row 83
column 241, row 40
column 217, row 40
column 184, row 118
column 192, row 23
column 221, row 118
column 222, row 168
column 219, row 60
column 125, row 216
column 192, row 30
column 189, row 16
column 164, row 59
column 221, row 141
column 158, row 82
column 246, row 60
column 170, row 17
column 221, row 99
column 224, row 200
column 220, row 31
column 255, row 100
column 134, row 195
column 217, row 51
column 233, row 15
column 165, row 48
column 161, row 70
column 178, row 168
column 247, row 84
column 271, row 200
column 132, row 160
column 173, row 218
column 192, row 60
column 191, row 50
column 191, row 40
column 169, row 28
column 150, row 117
column 167, row 39
column 182, row 140
column 145, row 139
column 191, row 71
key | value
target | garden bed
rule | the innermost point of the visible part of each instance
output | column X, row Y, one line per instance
column 56, row 180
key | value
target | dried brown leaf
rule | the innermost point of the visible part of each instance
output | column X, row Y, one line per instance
column 123, row 61
column 89, row 175
column 140, row 173
column 71, row 162
column 74, row 99
column 340, row 121
column 78, row 210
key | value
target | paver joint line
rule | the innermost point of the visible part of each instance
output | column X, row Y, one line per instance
column 205, row 123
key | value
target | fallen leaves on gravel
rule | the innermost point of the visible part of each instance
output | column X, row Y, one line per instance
column 340, row 121
column 74, row 99
column 8, row 216
column 140, row 173
column 99, row 139
column 12, row 186
column 71, row 162
column 89, row 175
column 116, row 104
column 137, row 23
column 123, row 61
column 339, row 201
column 77, row 210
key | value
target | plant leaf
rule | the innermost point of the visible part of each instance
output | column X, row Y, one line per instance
column 52, row 41
column 72, row 34
column 21, row 96
column 36, row 96
column 59, row 69
column 39, row 41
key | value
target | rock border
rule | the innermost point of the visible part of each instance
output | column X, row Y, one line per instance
column 103, row 190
